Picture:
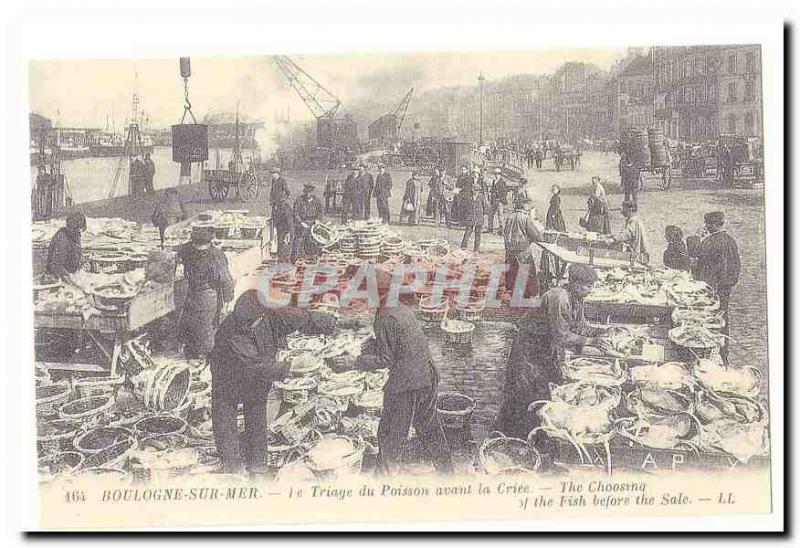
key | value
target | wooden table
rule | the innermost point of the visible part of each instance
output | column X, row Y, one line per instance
column 144, row 309
column 598, row 258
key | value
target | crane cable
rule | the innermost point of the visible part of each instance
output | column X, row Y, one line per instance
column 187, row 107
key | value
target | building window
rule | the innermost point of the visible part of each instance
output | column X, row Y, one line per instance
column 748, row 124
column 732, row 63
column 689, row 94
column 731, row 98
column 749, row 91
column 732, row 123
column 712, row 92
column 700, row 93
column 750, row 62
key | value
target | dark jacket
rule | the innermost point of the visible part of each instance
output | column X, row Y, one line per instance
column 383, row 185
column 366, row 184
column 206, row 269
column 64, row 253
column 169, row 211
column 277, row 189
column 400, row 346
column 676, row 256
column 499, row 192
column 474, row 196
column 283, row 216
column 555, row 218
column 307, row 211
column 718, row 262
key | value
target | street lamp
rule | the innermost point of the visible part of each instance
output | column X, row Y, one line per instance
column 480, row 130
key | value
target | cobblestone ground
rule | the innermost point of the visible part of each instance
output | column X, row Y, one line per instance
column 478, row 370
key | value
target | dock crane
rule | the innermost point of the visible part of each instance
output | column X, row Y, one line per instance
column 386, row 129
column 321, row 102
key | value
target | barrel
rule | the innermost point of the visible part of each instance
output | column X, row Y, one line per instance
column 639, row 146
column 162, row 388
column 658, row 147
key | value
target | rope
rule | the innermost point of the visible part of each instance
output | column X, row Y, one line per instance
column 187, row 107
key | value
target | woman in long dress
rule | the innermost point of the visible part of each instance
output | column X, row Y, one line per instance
column 598, row 218
column 549, row 265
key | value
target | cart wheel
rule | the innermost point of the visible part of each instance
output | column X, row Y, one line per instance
column 248, row 186
column 666, row 178
column 218, row 190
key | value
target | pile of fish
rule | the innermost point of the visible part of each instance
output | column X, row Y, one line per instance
column 704, row 408
column 79, row 295
column 659, row 287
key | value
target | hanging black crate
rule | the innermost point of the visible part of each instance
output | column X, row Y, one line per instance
column 189, row 143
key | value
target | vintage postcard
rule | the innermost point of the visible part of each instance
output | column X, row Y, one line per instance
column 310, row 289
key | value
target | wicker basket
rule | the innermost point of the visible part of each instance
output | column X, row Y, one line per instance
column 99, row 439
column 115, row 456
column 159, row 424
column 50, row 397
column 59, row 439
column 458, row 336
column 86, row 409
column 87, row 387
column 454, row 409
column 498, row 454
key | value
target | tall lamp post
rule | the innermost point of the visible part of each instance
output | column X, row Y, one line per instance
column 480, row 126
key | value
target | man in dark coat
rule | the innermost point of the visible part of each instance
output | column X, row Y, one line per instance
column 349, row 196
column 473, row 193
column 537, row 354
column 629, row 177
column 149, row 171
column 718, row 264
column 498, row 200
column 209, row 288
column 277, row 189
column 283, row 221
column 457, row 210
column 383, row 190
column 518, row 235
column 169, row 211
column 411, row 391
column 307, row 210
column 64, row 251
column 243, row 368
column 366, row 184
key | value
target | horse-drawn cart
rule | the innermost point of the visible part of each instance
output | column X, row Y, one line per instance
column 220, row 182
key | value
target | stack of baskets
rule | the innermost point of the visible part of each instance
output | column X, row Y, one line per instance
column 347, row 243
column 162, row 388
column 368, row 241
column 658, row 147
column 392, row 246
column 639, row 147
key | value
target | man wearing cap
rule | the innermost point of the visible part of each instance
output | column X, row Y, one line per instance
column 411, row 200
column 366, row 185
column 349, row 196
column 538, row 353
column 244, row 366
column 383, row 190
column 518, row 234
column 718, row 264
column 629, row 176
column 209, row 288
column 278, row 188
column 634, row 235
column 474, row 204
column 498, row 193
column 65, row 249
column 411, row 391
column 283, row 221
column 307, row 210
column 457, row 211
column 435, row 196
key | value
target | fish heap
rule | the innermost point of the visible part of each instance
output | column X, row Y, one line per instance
column 86, row 293
column 659, row 287
column 706, row 408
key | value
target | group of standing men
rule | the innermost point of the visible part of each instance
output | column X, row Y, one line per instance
column 359, row 189
column 292, row 222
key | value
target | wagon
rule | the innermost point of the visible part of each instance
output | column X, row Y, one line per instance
column 220, row 182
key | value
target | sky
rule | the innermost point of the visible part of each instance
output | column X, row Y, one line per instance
column 87, row 92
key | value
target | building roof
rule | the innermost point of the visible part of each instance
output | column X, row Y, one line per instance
column 639, row 65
